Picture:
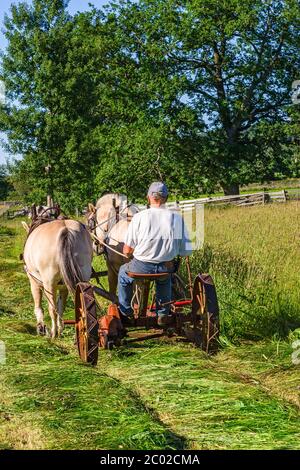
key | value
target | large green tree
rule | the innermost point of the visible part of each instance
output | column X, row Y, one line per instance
column 191, row 92
column 233, row 62
column 33, row 72
column 76, row 102
column 57, row 72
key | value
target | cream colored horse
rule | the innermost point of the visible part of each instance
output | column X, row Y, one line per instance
column 109, row 220
column 57, row 255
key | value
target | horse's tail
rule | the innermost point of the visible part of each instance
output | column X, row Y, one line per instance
column 68, row 259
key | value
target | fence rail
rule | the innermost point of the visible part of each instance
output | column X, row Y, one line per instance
column 251, row 199
column 10, row 203
column 293, row 194
column 237, row 200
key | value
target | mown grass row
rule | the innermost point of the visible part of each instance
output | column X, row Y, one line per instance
column 64, row 404
column 156, row 395
column 48, row 398
column 222, row 402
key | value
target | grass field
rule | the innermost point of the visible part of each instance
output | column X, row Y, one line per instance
column 167, row 394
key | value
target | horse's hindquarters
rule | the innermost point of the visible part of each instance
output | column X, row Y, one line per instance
column 56, row 252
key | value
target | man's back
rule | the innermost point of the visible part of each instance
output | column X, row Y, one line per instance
column 157, row 235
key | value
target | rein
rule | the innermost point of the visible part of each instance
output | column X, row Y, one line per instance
column 41, row 284
column 107, row 246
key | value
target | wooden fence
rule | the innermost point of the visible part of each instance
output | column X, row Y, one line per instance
column 10, row 203
column 293, row 194
column 252, row 199
column 237, row 200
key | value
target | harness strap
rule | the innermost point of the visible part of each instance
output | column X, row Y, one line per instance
column 107, row 246
column 116, row 215
column 41, row 284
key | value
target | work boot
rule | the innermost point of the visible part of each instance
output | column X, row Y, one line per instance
column 127, row 320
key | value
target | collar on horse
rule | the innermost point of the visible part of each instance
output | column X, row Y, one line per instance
column 47, row 215
column 111, row 221
column 92, row 221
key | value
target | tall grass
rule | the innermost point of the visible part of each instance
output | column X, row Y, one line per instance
column 253, row 255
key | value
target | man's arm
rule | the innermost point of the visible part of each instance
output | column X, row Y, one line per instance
column 130, row 239
column 127, row 250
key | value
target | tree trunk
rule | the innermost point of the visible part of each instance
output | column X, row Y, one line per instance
column 231, row 189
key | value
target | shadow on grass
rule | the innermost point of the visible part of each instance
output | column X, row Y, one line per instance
column 7, row 312
column 27, row 328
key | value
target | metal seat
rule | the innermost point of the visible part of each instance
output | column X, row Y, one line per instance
column 148, row 277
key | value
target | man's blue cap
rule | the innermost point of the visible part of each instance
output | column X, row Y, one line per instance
column 158, row 189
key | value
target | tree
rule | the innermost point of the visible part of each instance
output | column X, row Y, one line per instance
column 75, row 102
column 5, row 186
column 31, row 73
column 54, row 69
column 234, row 63
column 191, row 92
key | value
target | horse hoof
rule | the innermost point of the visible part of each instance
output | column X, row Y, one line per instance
column 41, row 330
column 60, row 331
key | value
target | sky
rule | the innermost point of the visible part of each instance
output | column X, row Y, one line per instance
column 74, row 6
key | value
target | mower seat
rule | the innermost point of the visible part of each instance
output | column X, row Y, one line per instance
column 148, row 277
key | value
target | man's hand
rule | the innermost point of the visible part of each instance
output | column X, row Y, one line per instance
column 127, row 250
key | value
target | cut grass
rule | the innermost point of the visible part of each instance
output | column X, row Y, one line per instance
column 150, row 396
column 158, row 394
column 75, row 406
column 215, row 403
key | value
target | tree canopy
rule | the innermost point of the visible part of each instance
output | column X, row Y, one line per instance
column 195, row 93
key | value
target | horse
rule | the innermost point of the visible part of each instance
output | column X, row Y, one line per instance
column 109, row 221
column 57, row 255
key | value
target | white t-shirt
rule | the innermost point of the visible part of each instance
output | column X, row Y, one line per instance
column 158, row 234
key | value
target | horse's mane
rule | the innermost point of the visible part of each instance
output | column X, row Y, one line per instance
column 121, row 201
column 107, row 199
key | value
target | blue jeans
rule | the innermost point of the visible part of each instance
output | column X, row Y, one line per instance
column 125, row 285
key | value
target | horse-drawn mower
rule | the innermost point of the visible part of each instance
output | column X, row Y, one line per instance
column 194, row 311
column 193, row 317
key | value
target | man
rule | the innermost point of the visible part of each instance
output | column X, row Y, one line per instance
column 155, row 237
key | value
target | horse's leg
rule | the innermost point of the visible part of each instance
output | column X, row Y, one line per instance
column 38, row 311
column 61, row 304
column 50, row 293
column 112, row 279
